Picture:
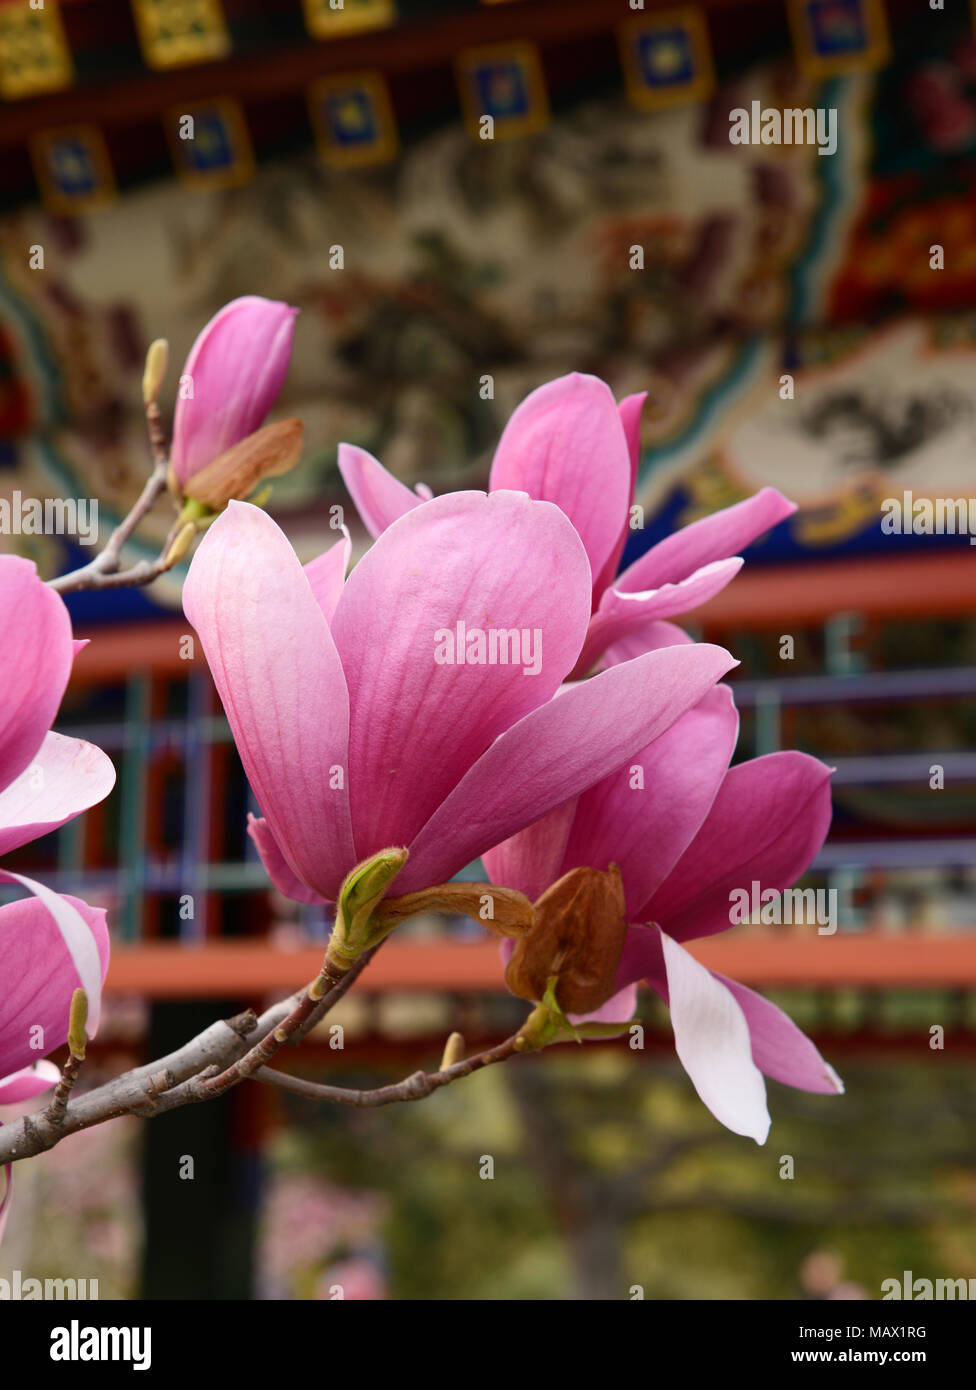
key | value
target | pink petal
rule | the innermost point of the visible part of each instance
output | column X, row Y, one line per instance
column 645, row 830
column 380, row 498
column 327, row 574
column 50, row 946
column 767, row 823
column 625, row 614
column 630, row 417
column 715, row 537
column 236, row 366
column 645, row 639
column 276, row 865
column 779, row 1048
column 492, row 562
column 66, row 777
column 711, row 1038
column 278, row 673
column 619, row 1008
column 588, row 731
column 28, row 1082
column 532, row 860
column 35, row 638
column 566, row 444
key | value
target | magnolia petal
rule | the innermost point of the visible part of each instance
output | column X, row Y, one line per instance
column 50, row 946
column 714, row 537
column 766, row 824
column 779, row 1048
column 28, row 1082
column 420, row 718
column 281, row 683
column 552, row 754
column 645, row 639
column 630, row 416
column 619, row 1008
column 711, row 1038
column 276, row 865
column 66, row 777
column 566, row 444
column 327, row 573
column 646, row 828
column 628, row 614
column 380, row 498
column 533, row 859
column 35, row 638
column 235, row 370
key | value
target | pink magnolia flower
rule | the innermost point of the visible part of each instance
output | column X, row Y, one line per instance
column 235, row 370
column 571, row 444
column 357, row 735
column 694, row 831
column 50, row 944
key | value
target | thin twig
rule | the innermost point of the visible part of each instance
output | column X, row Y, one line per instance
column 59, row 1101
column 103, row 571
column 414, row 1087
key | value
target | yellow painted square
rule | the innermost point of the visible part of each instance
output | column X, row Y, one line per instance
column 177, row 33
column 34, row 54
column 356, row 16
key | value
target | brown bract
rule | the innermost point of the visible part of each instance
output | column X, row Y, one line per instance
column 580, row 925
column 236, row 472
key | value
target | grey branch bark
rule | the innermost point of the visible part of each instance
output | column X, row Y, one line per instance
column 174, row 1080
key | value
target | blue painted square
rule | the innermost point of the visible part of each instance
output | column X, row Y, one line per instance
column 502, row 89
column 351, row 118
column 666, row 57
column 212, row 148
column 837, row 27
column 73, row 170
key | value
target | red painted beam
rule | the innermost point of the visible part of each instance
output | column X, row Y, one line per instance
column 167, row 970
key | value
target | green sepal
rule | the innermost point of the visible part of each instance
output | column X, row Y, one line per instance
column 364, row 887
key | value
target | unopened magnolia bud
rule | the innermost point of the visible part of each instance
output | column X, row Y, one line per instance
column 157, row 361
column 577, row 940
column 453, row 1051
column 77, row 1018
column 236, row 472
column 355, row 931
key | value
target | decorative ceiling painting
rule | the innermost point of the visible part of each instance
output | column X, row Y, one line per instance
column 784, row 310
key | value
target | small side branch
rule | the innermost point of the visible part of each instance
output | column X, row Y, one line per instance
column 415, row 1087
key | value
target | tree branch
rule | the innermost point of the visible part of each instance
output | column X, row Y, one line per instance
column 415, row 1087
column 177, row 1079
column 103, row 572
